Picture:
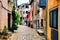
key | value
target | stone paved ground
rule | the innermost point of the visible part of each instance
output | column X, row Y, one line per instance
column 27, row 33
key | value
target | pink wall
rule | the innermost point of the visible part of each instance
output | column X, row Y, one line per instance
column 4, row 14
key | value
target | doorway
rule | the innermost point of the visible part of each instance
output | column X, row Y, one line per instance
column 9, row 21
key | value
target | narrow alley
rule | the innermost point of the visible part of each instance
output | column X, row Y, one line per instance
column 27, row 33
column 29, row 19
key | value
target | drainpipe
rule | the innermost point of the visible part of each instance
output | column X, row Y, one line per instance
column 46, row 17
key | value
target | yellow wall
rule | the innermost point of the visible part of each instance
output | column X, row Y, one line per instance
column 59, row 20
column 48, row 29
column 44, row 18
column 51, row 4
column 44, row 13
column 34, row 11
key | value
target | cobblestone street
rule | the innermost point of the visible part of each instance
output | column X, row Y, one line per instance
column 27, row 33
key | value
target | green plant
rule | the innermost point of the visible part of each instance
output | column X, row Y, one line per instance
column 4, row 34
column 18, row 17
column 15, row 19
column 14, row 26
column 5, row 31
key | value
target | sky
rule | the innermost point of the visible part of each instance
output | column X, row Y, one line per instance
column 19, row 2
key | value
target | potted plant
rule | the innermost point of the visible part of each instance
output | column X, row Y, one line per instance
column 4, row 34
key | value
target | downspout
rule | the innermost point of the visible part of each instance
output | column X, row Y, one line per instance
column 46, row 17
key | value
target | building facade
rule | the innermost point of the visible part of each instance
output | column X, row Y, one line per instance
column 5, row 11
column 53, row 20
column 39, row 5
column 33, row 12
column 39, row 15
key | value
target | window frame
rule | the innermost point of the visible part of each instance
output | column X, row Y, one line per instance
column 42, row 3
column 53, row 10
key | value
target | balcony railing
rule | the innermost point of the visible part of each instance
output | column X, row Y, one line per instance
column 42, row 3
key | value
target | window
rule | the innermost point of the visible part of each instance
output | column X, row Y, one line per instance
column 42, row 3
column 9, row 17
column 54, row 34
column 23, row 6
column 27, row 6
column 41, row 22
column 54, row 18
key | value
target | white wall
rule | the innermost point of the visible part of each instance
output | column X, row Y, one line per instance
column 41, row 12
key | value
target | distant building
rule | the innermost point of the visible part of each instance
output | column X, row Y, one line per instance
column 38, row 10
column 33, row 12
column 23, row 8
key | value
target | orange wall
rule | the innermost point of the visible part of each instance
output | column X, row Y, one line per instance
column 44, row 13
column 51, row 4
column 59, row 20
column 34, row 10
column 34, row 7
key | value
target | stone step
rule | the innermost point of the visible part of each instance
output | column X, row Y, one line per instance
column 40, row 32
